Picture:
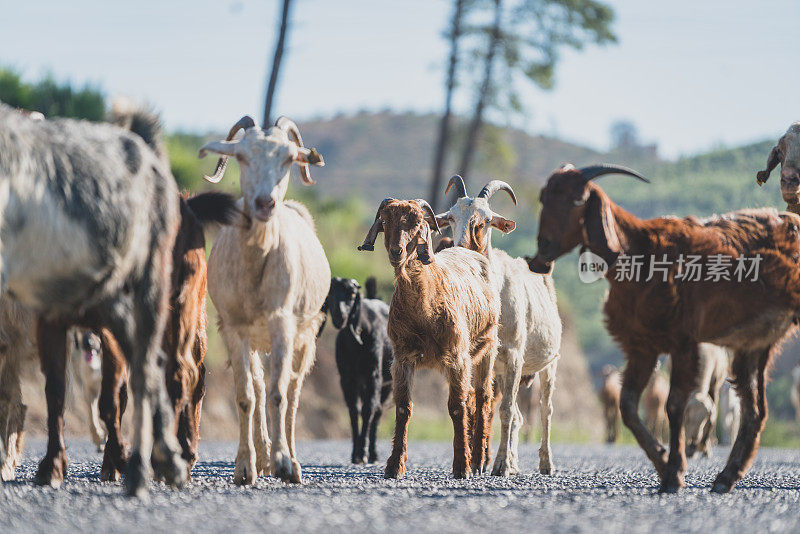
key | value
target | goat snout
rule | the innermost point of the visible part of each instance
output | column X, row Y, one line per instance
column 395, row 252
column 263, row 207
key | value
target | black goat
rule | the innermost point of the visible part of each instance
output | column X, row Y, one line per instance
column 364, row 357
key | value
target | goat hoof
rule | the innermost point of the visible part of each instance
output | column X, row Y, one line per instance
column 51, row 470
column 7, row 473
column 394, row 470
column 282, row 467
column 169, row 467
column 373, row 458
column 546, row 469
column 461, row 473
column 136, row 479
column 356, row 459
column 669, row 488
column 502, row 468
column 297, row 473
column 721, row 486
column 673, row 485
column 244, row 474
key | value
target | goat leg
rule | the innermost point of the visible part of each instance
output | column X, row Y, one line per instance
column 547, row 379
column 370, row 404
column 508, row 376
column 112, row 403
column 637, row 373
column 459, row 379
column 682, row 383
column 748, row 369
column 402, row 382
column 52, row 340
column 484, row 391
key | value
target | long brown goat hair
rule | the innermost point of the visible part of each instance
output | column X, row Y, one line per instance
column 443, row 315
column 652, row 315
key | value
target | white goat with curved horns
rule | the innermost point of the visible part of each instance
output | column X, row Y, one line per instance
column 268, row 278
column 530, row 327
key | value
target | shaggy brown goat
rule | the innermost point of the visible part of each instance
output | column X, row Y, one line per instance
column 444, row 315
column 667, row 315
column 184, row 341
column 610, row 387
column 787, row 153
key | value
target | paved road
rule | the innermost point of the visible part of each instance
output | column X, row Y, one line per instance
column 596, row 488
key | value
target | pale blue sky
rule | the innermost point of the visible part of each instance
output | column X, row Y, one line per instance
column 689, row 73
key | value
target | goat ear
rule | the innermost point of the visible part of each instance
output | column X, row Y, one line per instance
column 226, row 148
column 503, row 224
column 372, row 235
column 305, row 157
column 309, row 156
column 425, row 248
column 772, row 161
column 375, row 229
column 442, row 220
column 601, row 228
column 354, row 319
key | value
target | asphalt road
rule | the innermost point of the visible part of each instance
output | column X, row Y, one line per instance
column 596, row 489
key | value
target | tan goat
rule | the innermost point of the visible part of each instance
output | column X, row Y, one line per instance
column 444, row 315
column 268, row 279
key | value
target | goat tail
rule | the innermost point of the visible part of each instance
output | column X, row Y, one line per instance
column 213, row 207
column 139, row 119
column 371, row 287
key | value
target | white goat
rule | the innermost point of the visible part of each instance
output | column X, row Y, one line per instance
column 268, row 279
column 700, row 418
column 530, row 327
column 730, row 414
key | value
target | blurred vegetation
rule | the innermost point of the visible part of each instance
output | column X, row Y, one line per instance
column 52, row 98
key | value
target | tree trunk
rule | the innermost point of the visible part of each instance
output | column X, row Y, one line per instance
column 444, row 125
column 467, row 157
column 276, row 64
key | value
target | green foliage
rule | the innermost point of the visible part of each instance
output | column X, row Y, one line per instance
column 52, row 98
column 533, row 34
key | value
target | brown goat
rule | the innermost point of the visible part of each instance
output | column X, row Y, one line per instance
column 610, row 387
column 443, row 315
column 184, row 341
column 667, row 315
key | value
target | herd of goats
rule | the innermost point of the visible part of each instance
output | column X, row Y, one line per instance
column 103, row 264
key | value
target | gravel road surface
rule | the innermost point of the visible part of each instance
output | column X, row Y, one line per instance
column 596, row 488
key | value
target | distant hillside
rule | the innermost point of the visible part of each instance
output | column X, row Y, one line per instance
column 375, row 155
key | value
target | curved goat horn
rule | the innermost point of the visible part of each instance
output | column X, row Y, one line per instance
column 290, row 127
column 458, row 182
column 494, row 186
column 222, row 163
column 429, row 210
column 595, row 171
